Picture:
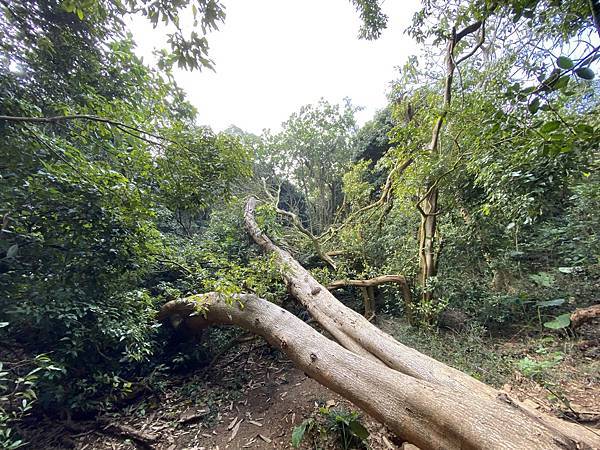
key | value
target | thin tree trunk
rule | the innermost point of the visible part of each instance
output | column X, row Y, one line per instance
column 368, row 302
column 361, row 337
column 429, row 210
column 427, row 241
column 428, row 234
column 426, row 414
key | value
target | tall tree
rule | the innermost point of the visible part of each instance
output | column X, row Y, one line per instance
column 312, row 151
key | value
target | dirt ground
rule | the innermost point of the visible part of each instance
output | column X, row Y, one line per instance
column 248, row 402
column 253, row 398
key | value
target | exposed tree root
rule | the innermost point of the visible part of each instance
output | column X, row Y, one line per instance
column 145, row 439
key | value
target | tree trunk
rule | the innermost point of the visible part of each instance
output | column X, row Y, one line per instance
column 430, row 210
column 427, row 240
column 426, row 414
column 364, row 339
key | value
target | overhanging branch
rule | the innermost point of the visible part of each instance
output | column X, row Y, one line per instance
column 91, row 118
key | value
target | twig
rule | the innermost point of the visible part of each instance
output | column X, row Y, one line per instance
column 120, row 125
column 142, row 438
column 232, row 343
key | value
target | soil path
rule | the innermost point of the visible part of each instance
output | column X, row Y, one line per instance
column 252, row 399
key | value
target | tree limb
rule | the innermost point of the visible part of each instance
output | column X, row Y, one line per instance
column 122, row 126
column 301, row 228
column 377, row 281
column 383, row 198
column 430, row 415
column 477, row 46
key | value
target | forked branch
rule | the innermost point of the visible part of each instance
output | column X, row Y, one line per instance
column 300, row 227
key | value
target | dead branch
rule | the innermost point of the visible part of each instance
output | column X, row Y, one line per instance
column 583, row 315
column 301, row 228
column 368, row 294
column 141, row 437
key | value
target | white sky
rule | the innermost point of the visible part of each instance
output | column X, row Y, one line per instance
column 273, row 56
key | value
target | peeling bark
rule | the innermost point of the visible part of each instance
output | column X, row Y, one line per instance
column 583, row 315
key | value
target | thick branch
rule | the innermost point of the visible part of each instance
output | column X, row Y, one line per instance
column 477, row 46
column 362, row 338
column 377, row 281
column 469, row 29
column 383, row 279
column 428, row 415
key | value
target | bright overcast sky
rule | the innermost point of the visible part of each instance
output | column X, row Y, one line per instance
column 273, row 56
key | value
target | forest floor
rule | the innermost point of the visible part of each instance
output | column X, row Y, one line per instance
column 253, row 397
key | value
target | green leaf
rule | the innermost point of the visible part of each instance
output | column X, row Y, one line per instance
column 564, row 63
column 68, row 6
column 551, row 126
column 548, row 303
column 534, row 105
column 585, row 129
column 80, row 14
column 298, row 433
column 562, row 321
column 586, row 73
column 562, row 82
column 12, row 251
column 2, row 325
column 543, row 279
column 528, row 90
column 342, row 419
column 359, row 430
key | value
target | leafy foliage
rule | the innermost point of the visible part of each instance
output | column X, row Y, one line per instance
column 345, row 425
column 91, row 198
column 114, row 201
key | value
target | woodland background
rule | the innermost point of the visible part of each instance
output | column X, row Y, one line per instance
column 481, row 191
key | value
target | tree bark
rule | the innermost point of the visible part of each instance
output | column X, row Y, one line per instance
column 364, row 339
column 583, row 315
column 428, row 415
column 428, row 206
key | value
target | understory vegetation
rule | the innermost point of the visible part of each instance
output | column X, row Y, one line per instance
column 477, row 183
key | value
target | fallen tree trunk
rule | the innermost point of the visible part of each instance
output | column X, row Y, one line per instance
column 359, row 336
column 369, row 296
column 428, row 415
column 583, row 315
